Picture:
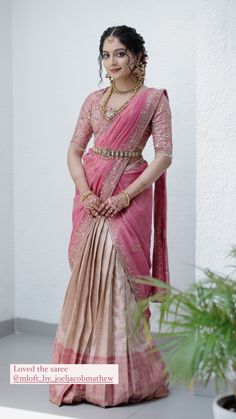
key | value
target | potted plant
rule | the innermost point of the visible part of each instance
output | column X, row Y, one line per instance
column 201, row 322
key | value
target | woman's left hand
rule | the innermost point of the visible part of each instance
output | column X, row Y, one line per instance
column 113, row 205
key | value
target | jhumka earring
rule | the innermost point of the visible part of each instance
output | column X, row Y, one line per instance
column 109, row 77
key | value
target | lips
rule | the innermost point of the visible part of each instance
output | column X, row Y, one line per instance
column 115, row 69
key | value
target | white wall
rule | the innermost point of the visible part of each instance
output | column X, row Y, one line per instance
column 6, row 167
column 55, row 49
column 216, row 128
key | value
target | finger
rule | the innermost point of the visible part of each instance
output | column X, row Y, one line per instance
column 116, row 210
column 102, row 205
column 96, row 206
column 103, row 213
column 94, row 210
column 100, row 208
column 109, row 212
column 107, row 207
column 92, row 213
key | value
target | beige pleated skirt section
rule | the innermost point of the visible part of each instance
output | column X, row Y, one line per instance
column 94, row 328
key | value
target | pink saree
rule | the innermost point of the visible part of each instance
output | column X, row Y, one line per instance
column 105, row 254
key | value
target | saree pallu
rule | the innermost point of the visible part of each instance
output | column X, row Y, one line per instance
column 105, row 254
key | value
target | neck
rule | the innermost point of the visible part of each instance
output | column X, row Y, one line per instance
column 125, row 84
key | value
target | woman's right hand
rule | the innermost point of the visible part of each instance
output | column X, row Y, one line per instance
column 92, row 203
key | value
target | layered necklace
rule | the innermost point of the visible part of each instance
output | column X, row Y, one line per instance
column 110, row 113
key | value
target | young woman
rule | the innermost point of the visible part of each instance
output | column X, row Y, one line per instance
column 112, row 223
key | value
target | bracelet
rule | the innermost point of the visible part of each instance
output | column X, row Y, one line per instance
column 85, row 194
column 127, row 197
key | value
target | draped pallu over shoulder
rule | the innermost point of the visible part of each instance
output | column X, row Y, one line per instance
column 130, row 228
column 160, row 263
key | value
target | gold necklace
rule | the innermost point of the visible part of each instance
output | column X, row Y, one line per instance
column 121, row 92
column 111, row 113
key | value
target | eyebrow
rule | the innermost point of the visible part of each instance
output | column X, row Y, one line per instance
column 117, row 49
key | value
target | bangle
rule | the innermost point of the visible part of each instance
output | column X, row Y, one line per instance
column 85, row 194
column 127, row 197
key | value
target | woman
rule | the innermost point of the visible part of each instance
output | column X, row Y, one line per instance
column 111, row 236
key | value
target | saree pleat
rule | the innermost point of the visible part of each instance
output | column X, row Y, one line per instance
column 95, row 327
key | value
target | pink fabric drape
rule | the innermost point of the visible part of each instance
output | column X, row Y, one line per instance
column 131, row 228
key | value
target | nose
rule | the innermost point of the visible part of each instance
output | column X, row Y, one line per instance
column 112, row 60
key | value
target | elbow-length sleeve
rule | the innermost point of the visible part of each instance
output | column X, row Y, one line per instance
column 83, row 129
column 161, row 127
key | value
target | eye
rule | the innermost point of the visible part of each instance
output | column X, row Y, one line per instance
column 119, row 54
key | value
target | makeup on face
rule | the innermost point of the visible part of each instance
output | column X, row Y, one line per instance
column 114, row 65
column 116, row 59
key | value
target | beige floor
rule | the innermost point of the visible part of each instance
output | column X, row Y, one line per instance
column 28, row 348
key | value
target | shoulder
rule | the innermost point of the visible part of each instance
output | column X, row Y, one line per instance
column 96, row 93
column 93, row 96
column 100, row 91
column 163, row 109
column 162, row 93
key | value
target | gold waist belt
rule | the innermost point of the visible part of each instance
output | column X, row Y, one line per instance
column 106, row 152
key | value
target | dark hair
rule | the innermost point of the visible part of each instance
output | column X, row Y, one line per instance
column 127, row 36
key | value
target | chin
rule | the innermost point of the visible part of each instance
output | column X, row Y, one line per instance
column 119, row 77
column 116, row 76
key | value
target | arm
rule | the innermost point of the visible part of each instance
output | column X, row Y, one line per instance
column 161, row 129
column 75, row 166
column 149, row 175
column 81, row 136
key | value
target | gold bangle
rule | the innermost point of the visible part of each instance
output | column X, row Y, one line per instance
column 85, row 194
column 127, row 197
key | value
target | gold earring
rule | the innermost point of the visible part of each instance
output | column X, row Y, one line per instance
column 109, row 77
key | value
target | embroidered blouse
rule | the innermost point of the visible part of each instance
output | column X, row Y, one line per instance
column 90, row 121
